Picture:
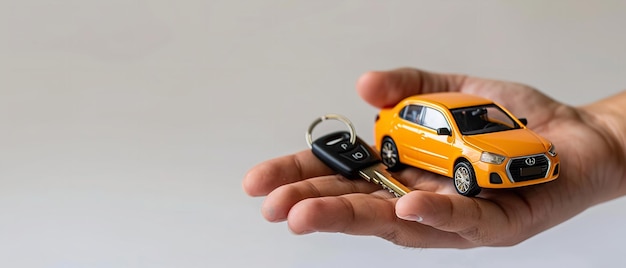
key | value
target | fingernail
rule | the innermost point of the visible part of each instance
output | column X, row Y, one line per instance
column 412, row 218
column 269, row 213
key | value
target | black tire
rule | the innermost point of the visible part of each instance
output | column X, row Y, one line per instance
column 389, row 154
column 464, row 179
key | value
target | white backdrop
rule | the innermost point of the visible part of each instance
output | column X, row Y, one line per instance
column 127, row 126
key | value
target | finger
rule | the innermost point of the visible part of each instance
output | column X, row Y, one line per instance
column 278, row 203
column 385, row 89
column 479, row 221
column 362, row 214
column 269, row 175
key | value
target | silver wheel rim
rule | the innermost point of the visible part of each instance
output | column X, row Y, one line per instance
column 462, row 179
column 388, row 154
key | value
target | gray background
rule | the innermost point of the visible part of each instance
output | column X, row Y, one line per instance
column 127, row 126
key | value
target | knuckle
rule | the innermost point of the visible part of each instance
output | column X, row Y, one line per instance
column 392, row 236
column 486, row 237
column 474, row 235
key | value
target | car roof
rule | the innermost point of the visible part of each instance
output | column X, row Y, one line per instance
column 450, row 100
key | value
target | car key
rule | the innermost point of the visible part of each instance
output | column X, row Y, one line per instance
column 349, row 156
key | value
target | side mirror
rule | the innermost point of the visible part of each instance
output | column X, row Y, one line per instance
column 524, row 121
column 444, row 131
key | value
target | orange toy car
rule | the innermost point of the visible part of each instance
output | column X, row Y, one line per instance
column 468, row 138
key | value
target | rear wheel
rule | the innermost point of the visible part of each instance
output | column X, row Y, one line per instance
column 465, row 179
column 389, row 154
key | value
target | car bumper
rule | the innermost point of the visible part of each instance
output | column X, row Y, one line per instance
column 518, row 171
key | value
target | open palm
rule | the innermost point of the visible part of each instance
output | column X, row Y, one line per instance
column 301, row 190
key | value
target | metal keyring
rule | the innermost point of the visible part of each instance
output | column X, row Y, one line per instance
column 309, row 135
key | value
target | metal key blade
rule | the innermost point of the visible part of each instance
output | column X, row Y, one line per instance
column 379, row 175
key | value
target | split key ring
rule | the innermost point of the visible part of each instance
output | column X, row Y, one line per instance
column 346, row 121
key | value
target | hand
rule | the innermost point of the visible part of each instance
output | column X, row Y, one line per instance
column 589, row 140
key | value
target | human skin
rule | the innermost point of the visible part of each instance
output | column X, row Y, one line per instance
column 590, row 141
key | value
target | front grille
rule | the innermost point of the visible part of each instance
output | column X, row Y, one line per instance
column 519, row 170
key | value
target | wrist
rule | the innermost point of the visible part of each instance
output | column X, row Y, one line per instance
column 607, row 117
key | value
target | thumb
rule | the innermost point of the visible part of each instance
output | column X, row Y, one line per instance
column 386, row 88
column 479, row 221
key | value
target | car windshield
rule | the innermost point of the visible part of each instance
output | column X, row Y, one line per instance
column 482, row 119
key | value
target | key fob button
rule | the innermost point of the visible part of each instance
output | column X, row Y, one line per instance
column 359, row 154
column 345, row 145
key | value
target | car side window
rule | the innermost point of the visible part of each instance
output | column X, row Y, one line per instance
column 434, row 119
column 412, row 113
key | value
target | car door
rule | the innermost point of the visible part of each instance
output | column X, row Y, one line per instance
column 437, row 149
column 408, row 134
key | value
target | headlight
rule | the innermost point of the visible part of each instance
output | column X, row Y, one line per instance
column 552, row 150
column 492, row 158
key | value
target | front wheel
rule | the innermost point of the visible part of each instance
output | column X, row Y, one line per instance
column 465, row 179
column 389, row 154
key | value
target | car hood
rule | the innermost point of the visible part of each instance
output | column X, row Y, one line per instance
column 510, row 143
